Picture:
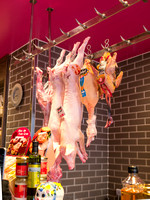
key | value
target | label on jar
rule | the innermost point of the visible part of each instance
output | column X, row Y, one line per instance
column 20, row 191
column 21, row 169
column 34, row 175
column 43, row 168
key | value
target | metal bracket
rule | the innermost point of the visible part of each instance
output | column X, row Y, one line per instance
column 82, row 25
column 100, row 14
column 146, row 29
column 51, row 41
column 127, row 41
column 39, row 48
column 64, row 33
column 125, row 3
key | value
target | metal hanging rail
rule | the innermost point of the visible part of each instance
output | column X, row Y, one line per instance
column 66, row 35
column 125, row 43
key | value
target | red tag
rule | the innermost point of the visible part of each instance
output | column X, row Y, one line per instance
column 20, row 191
column 21, row 169
column 43, row 167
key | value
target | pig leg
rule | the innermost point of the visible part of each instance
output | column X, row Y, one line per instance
column 82, row 154
column 74, row 50
column 91, row 130
column 71, row 55
column 60, row 59
column 44, row 99
column 79, row 59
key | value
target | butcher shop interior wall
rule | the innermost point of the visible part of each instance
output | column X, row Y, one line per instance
column 89, row 180
column 126, row 142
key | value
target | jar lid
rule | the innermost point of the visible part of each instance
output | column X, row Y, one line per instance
column 22, row 158
column 132, row 169
column 43, row 158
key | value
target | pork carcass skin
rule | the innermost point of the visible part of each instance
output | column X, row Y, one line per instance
column 55, row 74
column 44, row 98
column 72, row 139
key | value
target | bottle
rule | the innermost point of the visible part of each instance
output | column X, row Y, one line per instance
column 132, row 185
column 34, row 169
column 146, row 192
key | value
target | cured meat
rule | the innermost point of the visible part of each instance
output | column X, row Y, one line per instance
column 72, row 139
column 89, row 97
column 44, row 99
column 108, row 81
column 55, row 74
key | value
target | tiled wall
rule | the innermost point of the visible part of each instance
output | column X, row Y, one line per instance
column 129, row 137
column 87, row 181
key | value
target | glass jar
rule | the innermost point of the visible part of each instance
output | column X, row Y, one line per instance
column 146, row 192
column 21, row 188
column 22, row 166
column 43, row 166
column 132, row 185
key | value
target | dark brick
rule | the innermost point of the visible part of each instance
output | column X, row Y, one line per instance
column 121, row 123
column 142, row 63
column 143, row 101
column 136, row 83
column 143, row 128
column 126, row 104
column 129, row 142
column 128, row 79
column 128, row 129
column 136, row 121
column 146, row 55
column 144, row 155
column 68, row 196
column 137, row 148
column 43, row 58
column 123, row 111
column 143, row 114
column 95, row 192
column 81, row 180
column 126, row 92
column 121, row 135
column 135, row 59
column 135, row 71
column 74, row 188
column 143, row 88
column 122, row 63
column 67, row 182
column 129, row 154
column 136, row 96
column 136, row 108
column 137, row 135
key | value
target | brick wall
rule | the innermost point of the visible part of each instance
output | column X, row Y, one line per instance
column 20, row 116
column 129, row 137
column 87, row 181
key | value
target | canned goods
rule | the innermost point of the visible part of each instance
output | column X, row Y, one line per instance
column 21, row 166
column 21, row 189
column 43, row 166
